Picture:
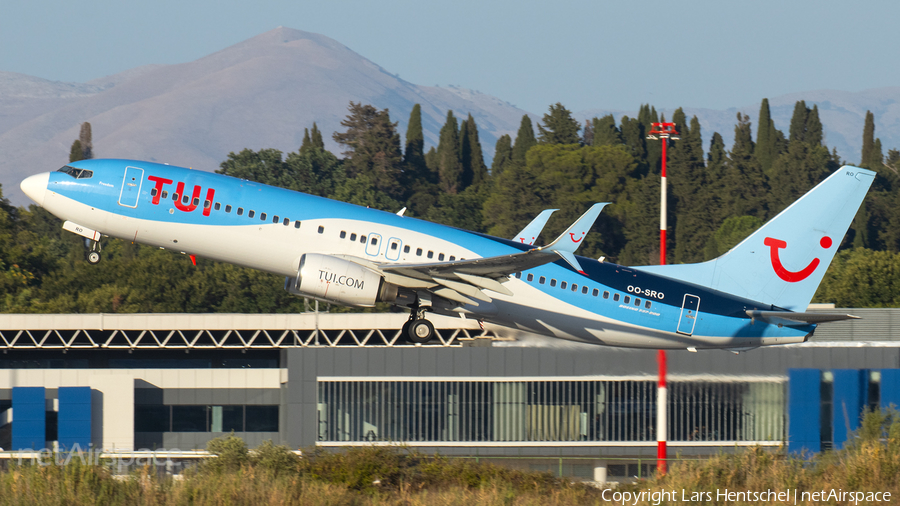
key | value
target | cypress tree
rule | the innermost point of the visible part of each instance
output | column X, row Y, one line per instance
column 316, row 137
column 306, row 144
column 502, row 155
column 814, row 133
column 524, row 140
column 87, row 143
column 76, row 152
column 476, row 156
column 766, row 138
column 871, row 153
column 373, row 148
column 559, row 127
column 449, row 168
column 798, row 122
column 465, row 156
column 635, row 138
column 414, row 154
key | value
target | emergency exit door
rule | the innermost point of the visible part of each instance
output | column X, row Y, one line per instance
column 689, row 310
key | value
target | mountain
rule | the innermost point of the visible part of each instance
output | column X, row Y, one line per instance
column 260, row 93
column 842, row 114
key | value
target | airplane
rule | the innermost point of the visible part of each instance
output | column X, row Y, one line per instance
column 754, row 295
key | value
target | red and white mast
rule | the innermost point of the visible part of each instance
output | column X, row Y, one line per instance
column 664, row 131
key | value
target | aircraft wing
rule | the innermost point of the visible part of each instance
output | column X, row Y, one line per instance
column 791, row 319
column 459, row 280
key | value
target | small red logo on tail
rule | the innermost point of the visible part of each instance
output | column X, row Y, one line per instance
column 572, row 235
column 792, row 276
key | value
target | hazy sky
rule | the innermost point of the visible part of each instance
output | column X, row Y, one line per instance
column 585, row 54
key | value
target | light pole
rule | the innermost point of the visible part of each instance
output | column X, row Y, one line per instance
column 664, row 131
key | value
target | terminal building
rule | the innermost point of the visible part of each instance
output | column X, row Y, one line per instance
column 171, row 382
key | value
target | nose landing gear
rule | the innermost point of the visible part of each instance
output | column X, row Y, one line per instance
column 92, row 255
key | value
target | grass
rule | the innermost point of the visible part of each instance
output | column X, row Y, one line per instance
column 272, row 476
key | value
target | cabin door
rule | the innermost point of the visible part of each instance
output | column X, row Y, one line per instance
column 131, row 187
column 688, row 318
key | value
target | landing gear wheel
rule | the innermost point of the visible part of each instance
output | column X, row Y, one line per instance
column 93, row 257
column 420, row 331
column 404, row 330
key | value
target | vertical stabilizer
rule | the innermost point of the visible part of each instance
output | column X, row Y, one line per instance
column 783, row 262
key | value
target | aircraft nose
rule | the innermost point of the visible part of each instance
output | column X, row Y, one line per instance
column 36, row 187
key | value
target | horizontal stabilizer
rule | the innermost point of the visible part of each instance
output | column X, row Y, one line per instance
column 790, row 319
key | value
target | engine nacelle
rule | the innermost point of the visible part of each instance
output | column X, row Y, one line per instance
column 341, row 281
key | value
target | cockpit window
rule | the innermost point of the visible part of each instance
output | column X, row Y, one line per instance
column 77, row 173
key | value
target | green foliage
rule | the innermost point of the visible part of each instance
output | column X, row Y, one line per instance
column 559, row 127
column 231, row 454
column 502, row 155
column 373, row 148
column 449, row 166
column 862, row 278
column 414, row 154
column 734, row 230
column 872, row 157
column 524, row 140
column 605, row 132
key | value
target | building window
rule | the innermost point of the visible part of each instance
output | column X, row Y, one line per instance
column 261, row 418
column 152, row 418
column 189, row 419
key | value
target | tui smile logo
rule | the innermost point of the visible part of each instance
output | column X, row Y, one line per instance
column 576, row 241
column 792, row 276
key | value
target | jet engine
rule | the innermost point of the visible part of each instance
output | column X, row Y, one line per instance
column 333, row 279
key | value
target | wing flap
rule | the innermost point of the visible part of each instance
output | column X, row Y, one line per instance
column 791, row 319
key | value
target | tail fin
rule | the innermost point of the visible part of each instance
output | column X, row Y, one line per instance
column 783, row 262
column 529, row 234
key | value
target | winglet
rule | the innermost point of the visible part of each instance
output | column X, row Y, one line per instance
column 533, row 229
column 566, row 244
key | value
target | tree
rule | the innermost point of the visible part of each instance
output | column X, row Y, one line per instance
column 605, row 132
column 767, row 148
column 862, row 278
column 83, row 147
column 872, row 158
column 524, row 140
column 502, row 155
column 414, row 154
column 449, row 166
column 693, row 220
column 559, row 127
column 744, row 183
column 373, row 148
column 471, row 155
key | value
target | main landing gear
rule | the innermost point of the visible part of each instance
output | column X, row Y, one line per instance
column 417, row 329
column 92, row 255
